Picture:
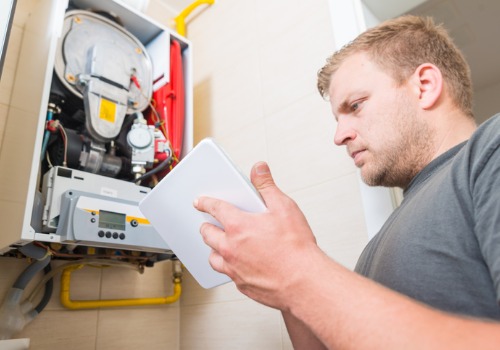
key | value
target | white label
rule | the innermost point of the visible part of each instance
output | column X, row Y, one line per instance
column 105, row 191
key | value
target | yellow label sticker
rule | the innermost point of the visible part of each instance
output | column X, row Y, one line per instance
column 107, row 110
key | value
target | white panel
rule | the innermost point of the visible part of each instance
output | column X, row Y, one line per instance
column 346, row 20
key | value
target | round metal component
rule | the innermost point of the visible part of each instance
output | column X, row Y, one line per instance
column 139, row 138
column 96, row 47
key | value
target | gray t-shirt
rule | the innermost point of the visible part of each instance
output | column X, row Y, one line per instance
column 442, row 244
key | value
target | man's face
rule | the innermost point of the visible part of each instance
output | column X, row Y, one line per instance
column 379, row 123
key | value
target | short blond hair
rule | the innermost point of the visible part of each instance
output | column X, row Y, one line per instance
column 402, row 44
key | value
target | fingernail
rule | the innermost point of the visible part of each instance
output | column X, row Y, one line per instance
column 261, row 168
column 195, row 203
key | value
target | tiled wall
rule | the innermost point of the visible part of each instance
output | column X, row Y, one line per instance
column 255, row 65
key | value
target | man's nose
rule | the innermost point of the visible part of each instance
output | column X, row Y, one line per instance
column 344, row 133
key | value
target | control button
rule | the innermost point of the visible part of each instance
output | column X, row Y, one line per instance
column 108, row 234
column 115, row 235
column 122, row 235
column 92, row 220
column 134, row 223
column 100, row 233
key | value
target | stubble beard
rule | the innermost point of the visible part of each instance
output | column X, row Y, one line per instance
column 405, row 156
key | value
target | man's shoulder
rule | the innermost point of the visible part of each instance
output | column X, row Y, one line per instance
column 486, row 138
column 482, row 151
column 491, row 127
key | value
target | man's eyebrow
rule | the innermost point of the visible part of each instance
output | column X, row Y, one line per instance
column 344, row 107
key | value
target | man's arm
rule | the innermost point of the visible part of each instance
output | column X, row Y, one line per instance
column 301, row 336
column 273, row 258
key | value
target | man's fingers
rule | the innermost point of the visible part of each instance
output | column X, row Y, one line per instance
column 217, row 262
column 215, row 207
column 212, row 235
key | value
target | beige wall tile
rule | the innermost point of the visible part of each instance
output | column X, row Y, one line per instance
column 278, row 18
column 300, row 143
column 202, row 110
column 154, row 327
column 12, row 227
column 231, row 325
column 12, row 54
column 194, row 294
column 85, row 284
column 123, row 283
column 235, row 97
column 247, row 146
column 75, row 330
column 161, row 13
column 225, row 33
column 21, row 126
column 3, row 119
column 10, row 64
column 10, row 269
column 6, row 84
column 23, row 11
column 290, row 61
column 335, row 214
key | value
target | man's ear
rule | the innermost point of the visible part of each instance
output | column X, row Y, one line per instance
column 428, row 83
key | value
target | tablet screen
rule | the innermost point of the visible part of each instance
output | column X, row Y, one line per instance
column 205, row 171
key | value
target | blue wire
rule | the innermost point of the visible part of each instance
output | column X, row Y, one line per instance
column 46, row 136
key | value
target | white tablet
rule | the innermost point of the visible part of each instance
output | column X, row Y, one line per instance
column 205, row 171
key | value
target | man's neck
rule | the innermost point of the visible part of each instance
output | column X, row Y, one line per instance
column 451, row 130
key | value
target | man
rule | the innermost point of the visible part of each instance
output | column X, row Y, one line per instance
column 401, row 94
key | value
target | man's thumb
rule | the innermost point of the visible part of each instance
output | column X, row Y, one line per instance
column 261, row 178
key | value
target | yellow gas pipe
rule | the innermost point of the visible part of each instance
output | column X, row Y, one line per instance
column 93, row 304
column 180, row 20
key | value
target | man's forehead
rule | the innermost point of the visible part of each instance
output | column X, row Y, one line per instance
column 347, row 78
column 357, row 73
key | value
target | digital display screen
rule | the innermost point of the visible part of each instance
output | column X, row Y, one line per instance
column 111, row 220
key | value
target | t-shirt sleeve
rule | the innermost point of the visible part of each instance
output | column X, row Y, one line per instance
column 486, row 194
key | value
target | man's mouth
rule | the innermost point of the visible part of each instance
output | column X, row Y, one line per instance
column 357, row 156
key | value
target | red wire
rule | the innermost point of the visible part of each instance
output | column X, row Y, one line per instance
column 135, row 81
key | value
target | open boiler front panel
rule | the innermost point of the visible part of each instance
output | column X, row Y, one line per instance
column 101, row 111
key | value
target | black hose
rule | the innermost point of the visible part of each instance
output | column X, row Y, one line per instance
column 49, row 287
column 33, row 251
column 30, row 272
column 159, row 168
column 38, row 253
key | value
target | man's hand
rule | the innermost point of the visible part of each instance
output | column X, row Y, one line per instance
column 265, row 254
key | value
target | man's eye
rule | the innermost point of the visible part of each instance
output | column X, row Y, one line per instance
column 356, row 105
